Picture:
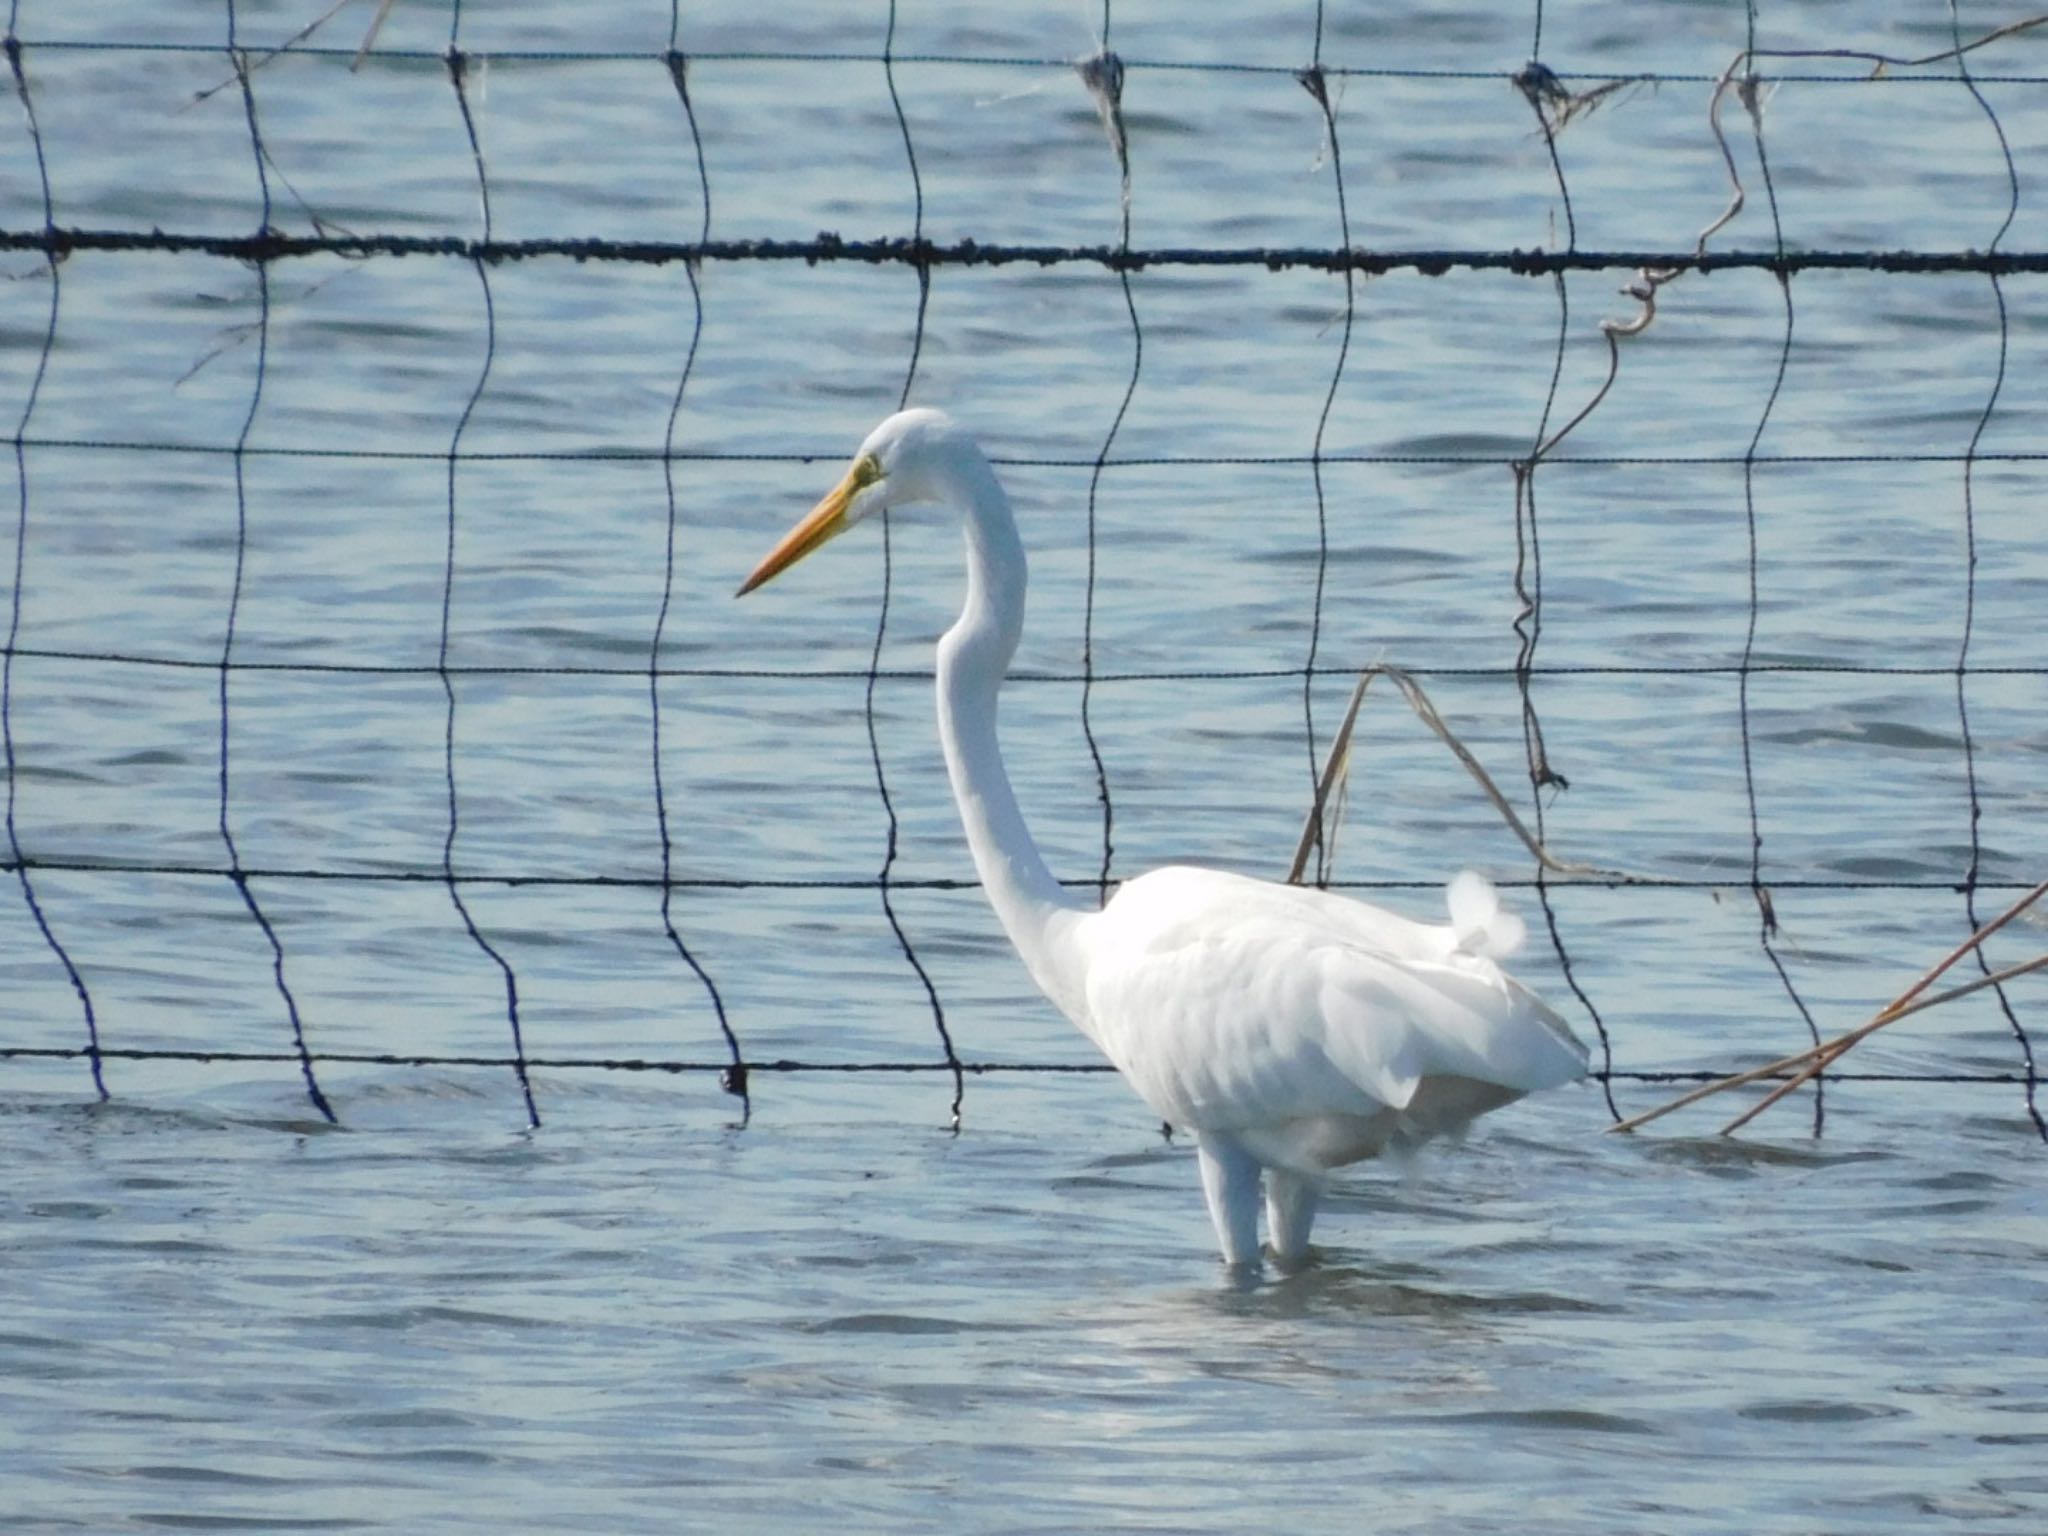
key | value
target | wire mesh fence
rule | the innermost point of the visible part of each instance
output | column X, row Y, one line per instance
column 393, row 416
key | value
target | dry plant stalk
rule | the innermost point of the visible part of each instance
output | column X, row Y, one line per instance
column 1558, row 107
column 1803, row 1066
column 1798, row 1068
column 370, row 37
column 255, row 61
column 1320, row 828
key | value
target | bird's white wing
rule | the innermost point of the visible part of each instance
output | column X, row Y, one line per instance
column 1232, row 1003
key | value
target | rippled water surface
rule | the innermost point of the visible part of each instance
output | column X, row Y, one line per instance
column 220, row 1312
column 638, row 1321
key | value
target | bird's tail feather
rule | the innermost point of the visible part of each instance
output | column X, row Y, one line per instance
column 1483, row 926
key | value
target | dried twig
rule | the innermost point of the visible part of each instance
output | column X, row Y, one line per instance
column 1740, row 76
column 1559, row 104
column 1337, row 765
column 370, row 37
column 257, row 61
column 1805, row 1064
column 1319, row 826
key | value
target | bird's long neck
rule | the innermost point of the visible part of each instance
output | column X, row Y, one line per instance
column 1036, row 912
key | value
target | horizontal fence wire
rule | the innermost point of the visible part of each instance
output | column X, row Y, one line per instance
column 1001, row 461
column 788, row 1067
column 1559, row 98
column 924, row 675
column 537, row 878
column 834, row 58
column 272, row 245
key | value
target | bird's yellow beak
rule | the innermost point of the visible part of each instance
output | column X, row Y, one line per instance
column 825, row 522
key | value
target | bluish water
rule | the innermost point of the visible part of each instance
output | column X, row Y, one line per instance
column 221, row 1313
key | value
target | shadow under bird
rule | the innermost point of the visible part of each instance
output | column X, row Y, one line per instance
column 1292, row 1029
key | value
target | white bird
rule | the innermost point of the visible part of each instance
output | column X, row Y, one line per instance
column 1292, row 1029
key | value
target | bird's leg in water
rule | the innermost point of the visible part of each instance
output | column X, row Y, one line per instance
column 1290, row 1211
column 1231, row 1181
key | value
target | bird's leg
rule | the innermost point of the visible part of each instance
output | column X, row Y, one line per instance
column 1290, row 1211
column 1231, row 1181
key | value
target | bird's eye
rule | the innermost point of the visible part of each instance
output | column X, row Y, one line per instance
column 867, row 469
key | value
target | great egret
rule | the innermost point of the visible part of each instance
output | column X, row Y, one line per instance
column 1292, row 1029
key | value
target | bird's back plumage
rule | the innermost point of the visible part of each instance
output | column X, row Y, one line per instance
column 1314, row 1029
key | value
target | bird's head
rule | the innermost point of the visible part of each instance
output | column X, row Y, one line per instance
column 910, row 457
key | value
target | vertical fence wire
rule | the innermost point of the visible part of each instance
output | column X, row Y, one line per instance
column 1317, row 84
column 1528, row 623
column 458, row 74
column 240, row 460
column 1969, row 520
column 1767, row 915
column 1534, row 82
column 734, row 1078
column 882, row 879
column 46, row 347
column 1103, row 74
